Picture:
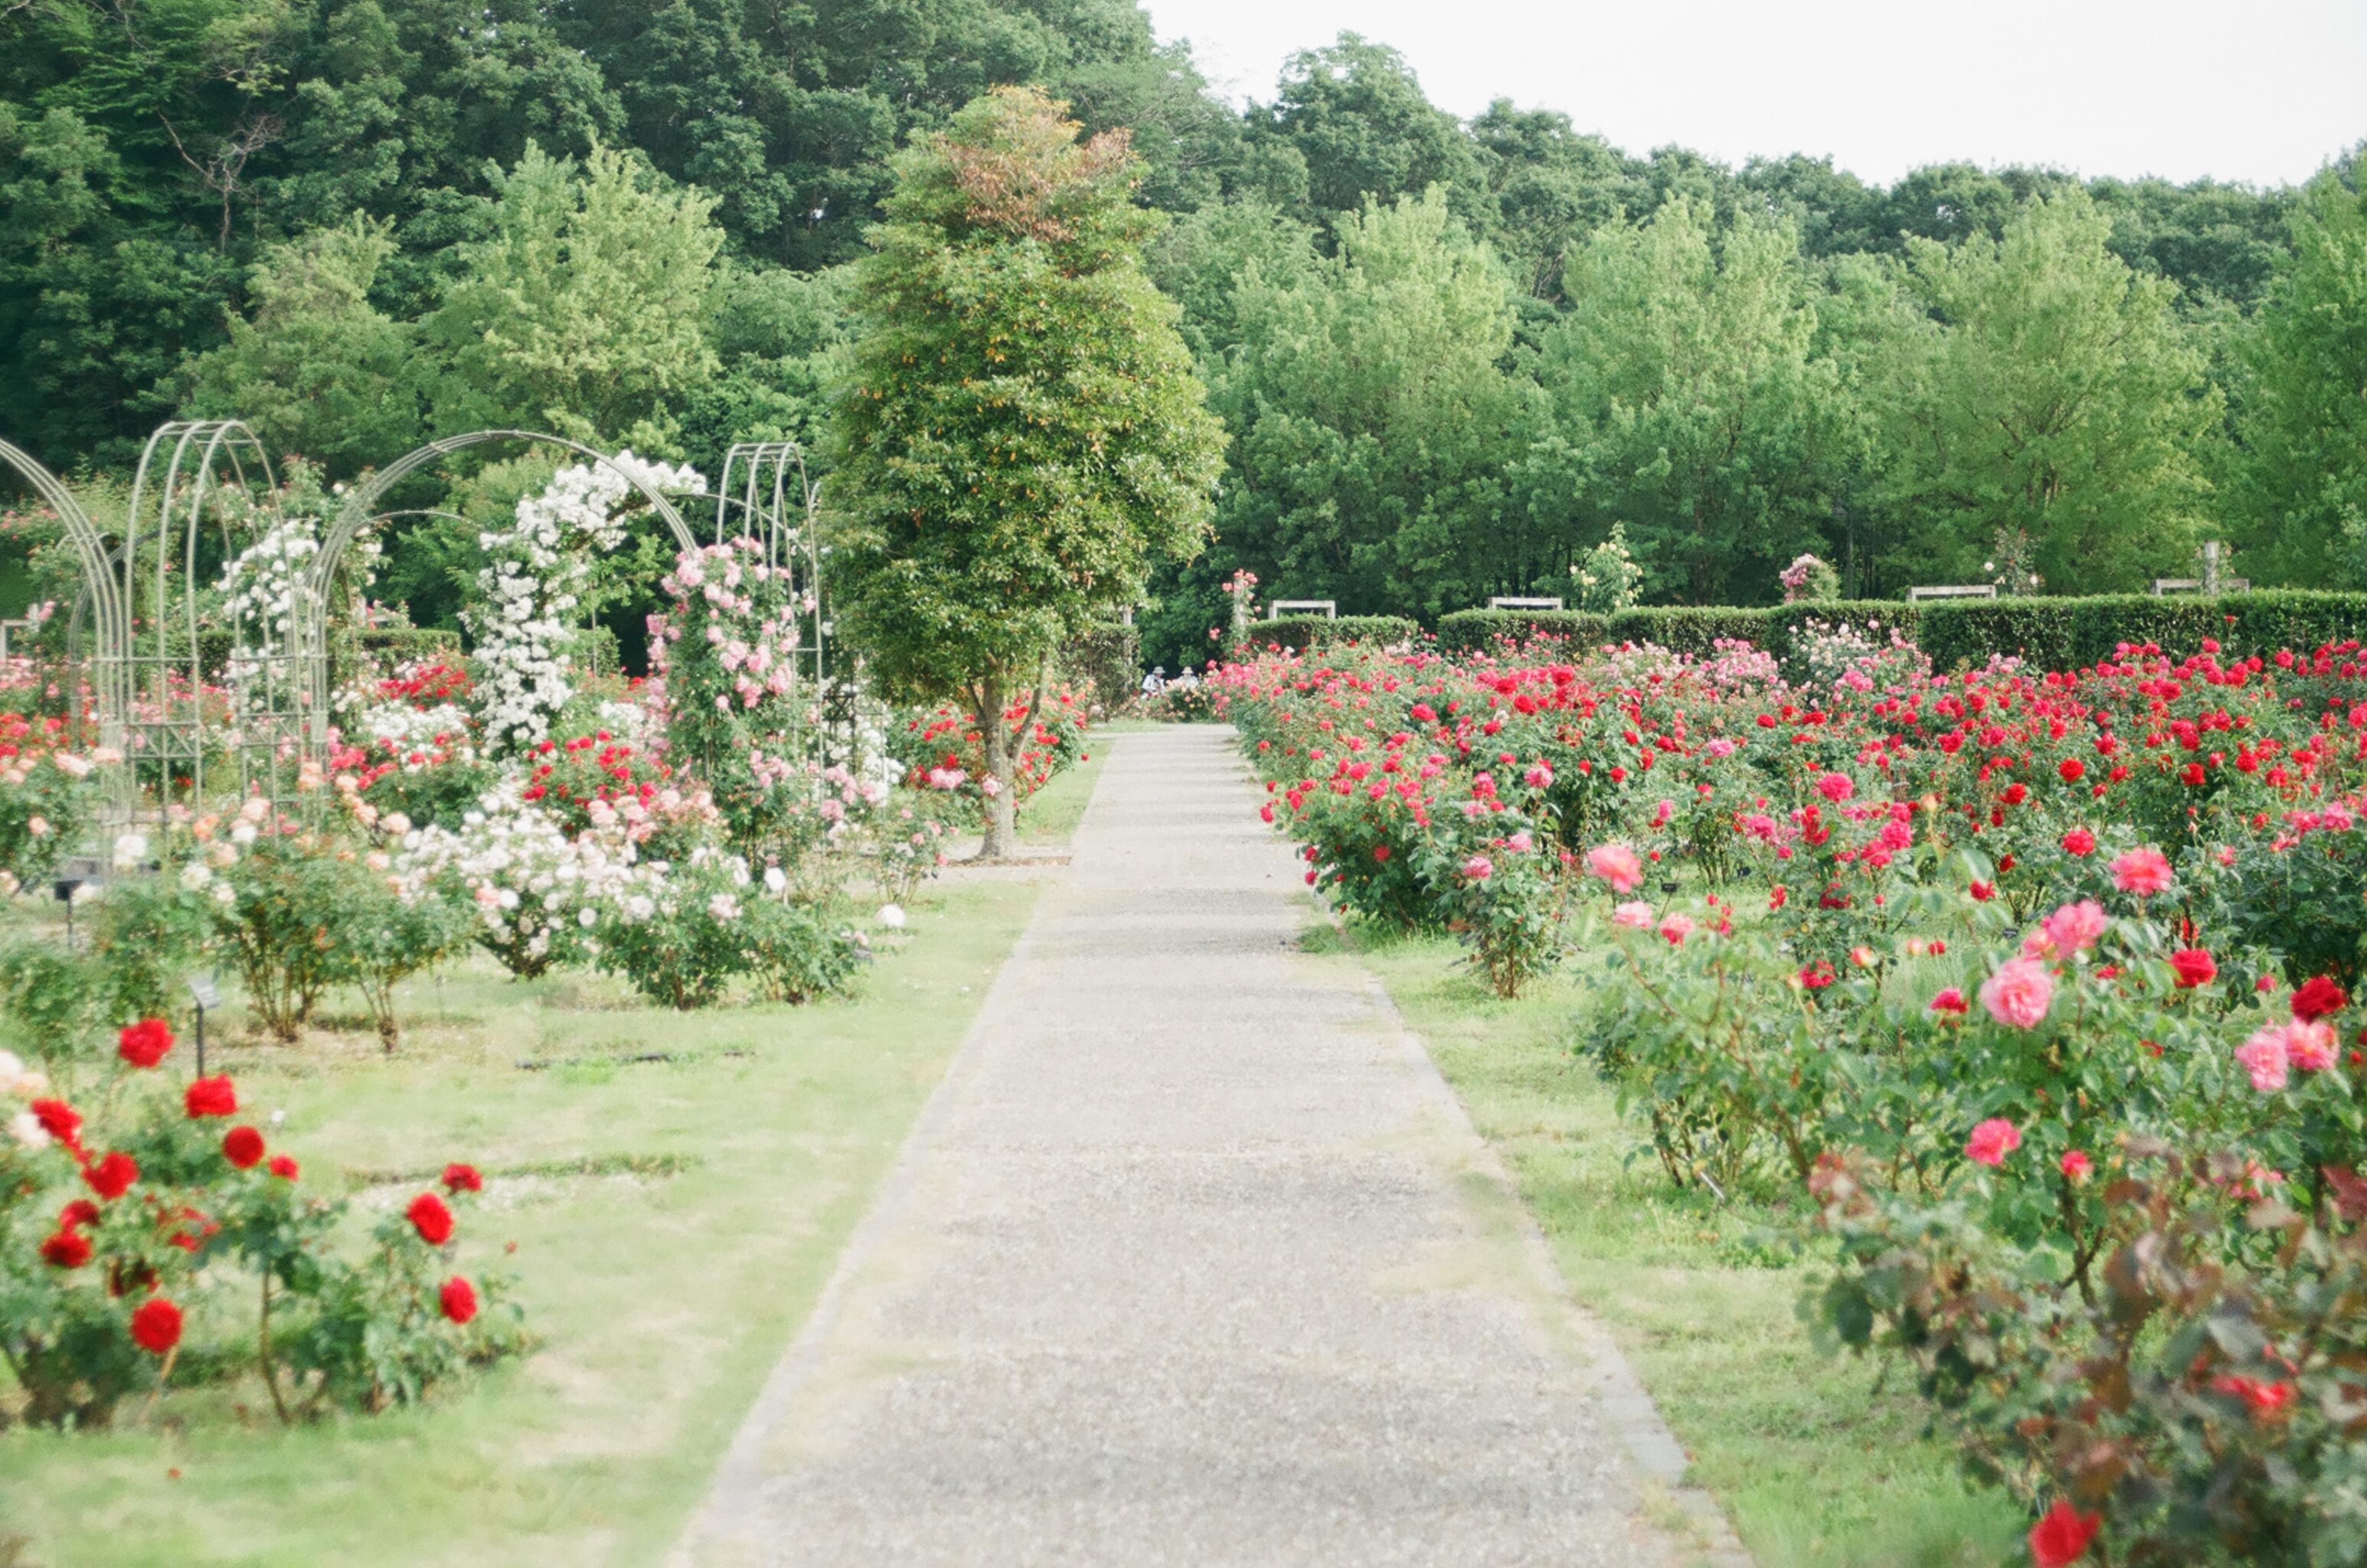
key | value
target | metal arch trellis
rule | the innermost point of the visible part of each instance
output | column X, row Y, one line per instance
column 97, row 577
column 764, row 493
column 360, row 513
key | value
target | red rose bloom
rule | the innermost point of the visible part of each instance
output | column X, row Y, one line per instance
column 143, row 1043
column 2062, row 1537
column 66, row 1249
column 2194, row 967
column 112, row 1177
column 2316, row 997
column 2072, row 770
column 431, row 1218
column 459, row 1178
column 459, row 1299
column 282, row 1167
column 210, row 1097
column 79, row 1211
column 1982, row 891
column 156, row 1327
column 61, row 1120
column 243, row 1146
column 2079, row 842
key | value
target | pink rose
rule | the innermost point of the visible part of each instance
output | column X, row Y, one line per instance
column 2018, row 993
column 1617, row 865
column 1992, row 1140
column 2141, row 871
column 1479, row 868
column 2077, row 1165
column 2074, row 928
column 1634, row 914
column 2263, row 1056
column 1676, row 928
column 1538, row 777
column 2310, row 1046
column 1836, row 788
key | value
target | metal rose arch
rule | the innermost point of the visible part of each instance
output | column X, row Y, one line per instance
column 360, row 513
column 766, row 495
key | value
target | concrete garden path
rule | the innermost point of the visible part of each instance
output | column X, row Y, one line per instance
column 1193, row 1260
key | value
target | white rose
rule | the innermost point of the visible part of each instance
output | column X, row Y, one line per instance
column 26, row 1129
column 891, row 916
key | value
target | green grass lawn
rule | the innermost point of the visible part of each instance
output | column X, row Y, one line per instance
column 674, row 1221
column 1815, row 1469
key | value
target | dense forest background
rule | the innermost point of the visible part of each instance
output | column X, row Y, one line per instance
column 1450, row 354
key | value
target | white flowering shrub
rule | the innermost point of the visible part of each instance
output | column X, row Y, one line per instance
column 538, row 896
column 539, row 568
column 262, row 595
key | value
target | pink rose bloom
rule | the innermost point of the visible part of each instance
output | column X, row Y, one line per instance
column 1634, row 914
column 1617, row 865
column 1521, row 843
column 2075, row 928
column 1992, row 1140
column 2309, row 1046
column 2077, row 1165
column 2142, row 872
column 1676, row 928
column 1538, row 777
column 2018, row 993
column 1836, row 788
column 1479, row 868
column 2263, row 1056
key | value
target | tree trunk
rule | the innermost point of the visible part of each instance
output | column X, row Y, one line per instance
column 1002, row 798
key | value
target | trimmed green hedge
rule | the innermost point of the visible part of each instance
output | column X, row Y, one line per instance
column 2064, row 634
column 2056, row 634
column 1299, row 633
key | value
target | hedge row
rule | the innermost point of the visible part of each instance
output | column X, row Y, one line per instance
column 1299, row 633
column 2055, row 633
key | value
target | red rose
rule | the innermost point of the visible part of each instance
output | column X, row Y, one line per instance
column 1983, row 892
column 66, row 1249
column 112, row 1177
column 243, row 1146
column 79, row 1211
column 459, row 1299
column 156, row 1327
column 2072, row 770
column 282, row 1167
column 432, row 1219
column 2079, row 842
column 459, row 1178
column 210, row 1097
column 2062, row 1537
column 2316, row 997
column 61, row 1120
column 143, row 1043
column 2194, row 967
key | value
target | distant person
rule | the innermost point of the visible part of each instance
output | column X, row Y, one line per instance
column 1156, row 682
column 1186, row 682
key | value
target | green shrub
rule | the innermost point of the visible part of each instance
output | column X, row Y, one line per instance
column 2064, row 634
column 1299, row 633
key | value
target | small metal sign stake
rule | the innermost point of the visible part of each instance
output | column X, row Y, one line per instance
column 202, row 992
column 67, row 887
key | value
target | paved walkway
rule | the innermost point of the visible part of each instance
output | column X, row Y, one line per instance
column 1191, row 1260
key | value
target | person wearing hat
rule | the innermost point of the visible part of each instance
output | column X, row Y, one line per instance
column 1156, row 682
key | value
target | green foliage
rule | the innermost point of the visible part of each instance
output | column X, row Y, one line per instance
column 1374, row 417
column 2301, row 475
column 1301, row 633
column 2052, row 390
column 2063, row 634
column 1022, row 436
column 1606, row 580
column 1687, row 405
column 317, row 368
column 584, row 309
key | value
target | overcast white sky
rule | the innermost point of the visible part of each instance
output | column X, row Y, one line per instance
column 2257, row 90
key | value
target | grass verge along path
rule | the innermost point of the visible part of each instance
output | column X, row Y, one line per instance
column 1815, row 1468
column 675, row 1220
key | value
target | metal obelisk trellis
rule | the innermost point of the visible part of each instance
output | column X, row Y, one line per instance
column 766, row 495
